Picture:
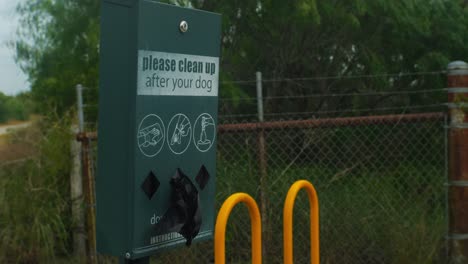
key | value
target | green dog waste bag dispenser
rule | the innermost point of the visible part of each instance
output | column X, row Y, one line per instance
column 158, row 100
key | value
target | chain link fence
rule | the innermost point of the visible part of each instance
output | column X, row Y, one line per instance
column 380, row 182
column 380, row 176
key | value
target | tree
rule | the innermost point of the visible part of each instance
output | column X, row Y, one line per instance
column 57, row 47
column 307, row 38
column 17, row 107
column 3, row 108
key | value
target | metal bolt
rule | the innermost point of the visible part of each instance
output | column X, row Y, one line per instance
column 127, row 255
column 183, row 26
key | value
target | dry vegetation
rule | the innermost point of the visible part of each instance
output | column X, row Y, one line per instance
column 3, row 140
column 34, row 200
column 13, row 152
column 17, row 145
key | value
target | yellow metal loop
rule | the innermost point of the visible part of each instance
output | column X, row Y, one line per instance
column 288, row 222
column 221, row 222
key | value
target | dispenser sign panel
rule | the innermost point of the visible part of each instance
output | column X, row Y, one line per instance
column 158, row 120
column 163, row 73
column 176, row 116
column 175, row 170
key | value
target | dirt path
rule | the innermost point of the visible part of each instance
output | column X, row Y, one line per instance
column 5, row 129
column 11, row 152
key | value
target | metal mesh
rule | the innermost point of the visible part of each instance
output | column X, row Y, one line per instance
column 380, row 184
column 380, row 177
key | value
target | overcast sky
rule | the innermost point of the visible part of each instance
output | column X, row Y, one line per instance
column 12, row 79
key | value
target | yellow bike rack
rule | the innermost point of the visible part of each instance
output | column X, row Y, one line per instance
column 256, row 225
column 288, row 222
column 221, row 222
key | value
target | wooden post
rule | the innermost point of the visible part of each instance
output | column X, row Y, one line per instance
column 458, row 160
column 76, row 196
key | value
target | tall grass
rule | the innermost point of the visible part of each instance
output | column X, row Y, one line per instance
column 393, row 216
column 366, row 216
column 34, row 195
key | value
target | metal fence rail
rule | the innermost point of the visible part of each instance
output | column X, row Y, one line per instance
column 380, row 180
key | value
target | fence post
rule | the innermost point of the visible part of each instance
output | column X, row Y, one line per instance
column 76, row 197
column 259, row 97
column 76, row 183
column 79, row 100
column 90, row 199
column 87, row 177
column 457, row 78
column 262, row 160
